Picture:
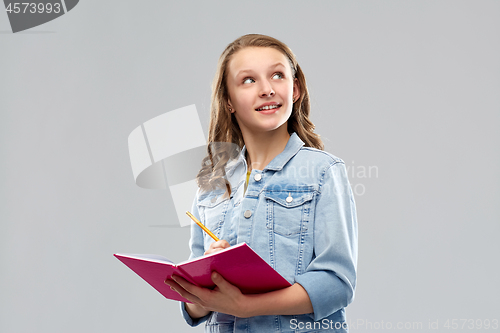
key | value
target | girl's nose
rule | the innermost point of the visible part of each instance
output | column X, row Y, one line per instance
column 266, row 90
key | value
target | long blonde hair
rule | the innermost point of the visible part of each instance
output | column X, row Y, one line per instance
column 223, row 126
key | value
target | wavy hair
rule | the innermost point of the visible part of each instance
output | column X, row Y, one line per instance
column 223, row 126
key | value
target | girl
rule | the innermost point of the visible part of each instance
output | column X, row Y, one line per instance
column 278, row 192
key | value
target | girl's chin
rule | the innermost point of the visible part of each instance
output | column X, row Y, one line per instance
column 267, row 127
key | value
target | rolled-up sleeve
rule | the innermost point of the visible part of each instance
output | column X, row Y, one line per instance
column 330, row 277
column 197, row 250
column 192, row 321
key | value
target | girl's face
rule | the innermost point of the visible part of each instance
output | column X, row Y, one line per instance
column 261, row 89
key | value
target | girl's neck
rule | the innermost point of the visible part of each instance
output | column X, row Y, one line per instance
column 263, row 147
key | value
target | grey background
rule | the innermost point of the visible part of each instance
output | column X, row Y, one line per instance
column 410, row 88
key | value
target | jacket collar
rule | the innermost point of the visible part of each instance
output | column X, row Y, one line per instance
column 291, row 149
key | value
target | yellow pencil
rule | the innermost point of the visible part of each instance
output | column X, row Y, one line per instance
column 202, row 226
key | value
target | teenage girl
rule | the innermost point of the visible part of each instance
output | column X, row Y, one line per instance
column 279, row 192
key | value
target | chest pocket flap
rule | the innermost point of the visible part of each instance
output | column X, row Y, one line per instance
column 289, row 199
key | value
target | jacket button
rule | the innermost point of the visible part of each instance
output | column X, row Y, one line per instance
column 247, row 214
column 257, row 177
column 289, row 198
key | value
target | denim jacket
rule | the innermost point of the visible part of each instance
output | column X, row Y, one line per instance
column 298, row 214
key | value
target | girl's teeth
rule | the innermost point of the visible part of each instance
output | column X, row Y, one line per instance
column 268, row 107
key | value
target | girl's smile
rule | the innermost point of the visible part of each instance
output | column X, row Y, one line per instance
column 268, row 108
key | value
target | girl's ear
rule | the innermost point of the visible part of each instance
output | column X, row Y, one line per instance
column 230, row 106
column 296, row 90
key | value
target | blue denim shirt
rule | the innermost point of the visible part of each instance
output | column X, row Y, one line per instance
column 298, row 214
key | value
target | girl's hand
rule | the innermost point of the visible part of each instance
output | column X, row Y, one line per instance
column 217, row 246
column 225, row 298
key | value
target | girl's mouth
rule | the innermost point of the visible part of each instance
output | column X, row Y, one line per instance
column 269, row 107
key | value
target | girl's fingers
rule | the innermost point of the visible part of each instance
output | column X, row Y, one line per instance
column 217, row 246
column 188, row 287
column 223, row 285
column 223, row 244
column 180, row 288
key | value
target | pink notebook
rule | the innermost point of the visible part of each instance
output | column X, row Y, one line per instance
column 238, row 264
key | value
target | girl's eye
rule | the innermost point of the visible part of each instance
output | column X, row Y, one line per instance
column 248, row 80
column 278, row 75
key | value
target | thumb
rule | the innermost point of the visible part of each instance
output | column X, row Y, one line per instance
column 219, row 280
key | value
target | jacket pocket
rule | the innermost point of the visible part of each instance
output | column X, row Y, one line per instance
column 288, row 211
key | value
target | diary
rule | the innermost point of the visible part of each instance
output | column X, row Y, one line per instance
column 238, row 264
